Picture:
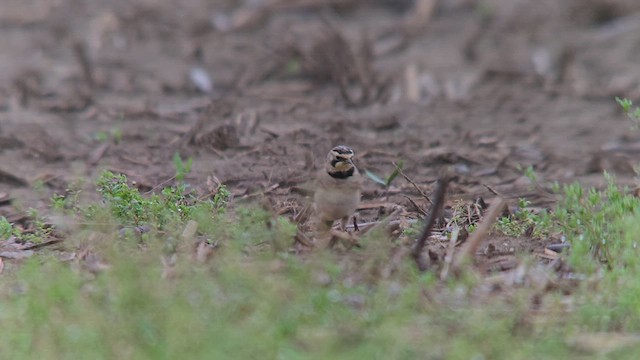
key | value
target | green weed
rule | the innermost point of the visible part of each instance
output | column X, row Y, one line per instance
column 182, row 167
column 173, row 205
column 632, row 113
column 6, row 229
column 524, row 220
column 115, row 135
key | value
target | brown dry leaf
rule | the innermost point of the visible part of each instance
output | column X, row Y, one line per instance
column 189, row 230
column 602, row 343
column 551, row 254
column 412, row 87
column 168, row 266
column 5, row 199
column 204, row 251
column 8, row 177
column 1, row 265
column 96, row 154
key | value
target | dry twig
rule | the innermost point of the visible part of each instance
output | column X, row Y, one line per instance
column 43, row 244
column 436, row 208
column 448, row 259
column 399, row 169
column 80, row 52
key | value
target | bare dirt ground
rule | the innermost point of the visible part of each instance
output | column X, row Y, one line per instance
column 257, row 92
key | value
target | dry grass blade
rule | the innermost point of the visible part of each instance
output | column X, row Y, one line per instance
column 257, row 12
column 189, row 230
column 467, row 252
column 367, row 225
column 448, row 259
column 98, row 152
column 436, row 208
column 297, row 4
column 406, row 177
column 381, row 223
column 5, row 199
column 43, row 244
column 416, row 206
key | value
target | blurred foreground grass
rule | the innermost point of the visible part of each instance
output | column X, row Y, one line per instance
column 146, row 296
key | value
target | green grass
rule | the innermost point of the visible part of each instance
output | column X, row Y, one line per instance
column 255, row 299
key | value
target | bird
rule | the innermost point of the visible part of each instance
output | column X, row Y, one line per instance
column 337, row 195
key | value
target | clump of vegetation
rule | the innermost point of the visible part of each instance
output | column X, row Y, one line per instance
column 6, row 228
column 182, row 167
column 115, row 135
column 602, row 228
column 173, row 204
column 39, row 229
column 632, row 113
column 525, row 221
column 597, row 222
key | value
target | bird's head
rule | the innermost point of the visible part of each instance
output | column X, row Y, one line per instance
column 339, row 162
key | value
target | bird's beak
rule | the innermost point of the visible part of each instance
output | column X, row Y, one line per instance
column 344, row 165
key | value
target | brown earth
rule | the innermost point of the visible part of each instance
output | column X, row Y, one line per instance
column 257, row 94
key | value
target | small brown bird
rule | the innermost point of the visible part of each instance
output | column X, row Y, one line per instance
column 338, row 189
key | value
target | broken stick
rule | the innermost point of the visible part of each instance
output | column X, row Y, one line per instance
column 436, row 208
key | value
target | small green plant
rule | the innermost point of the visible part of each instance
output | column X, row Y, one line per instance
column 39, row 230
column 129, row 206
column 524, row 220
column 293, row 66
column 173, row 204
column 6, row 229
column 125, row 203
column 182, row 167
column 114, row 134
column 595, row 222
column 101, row 136
column 413, row 230
column 70, row 202
column 221, row 198
column 627, row 108
column 58, row 201
column 471, row 228
column 530, row 174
